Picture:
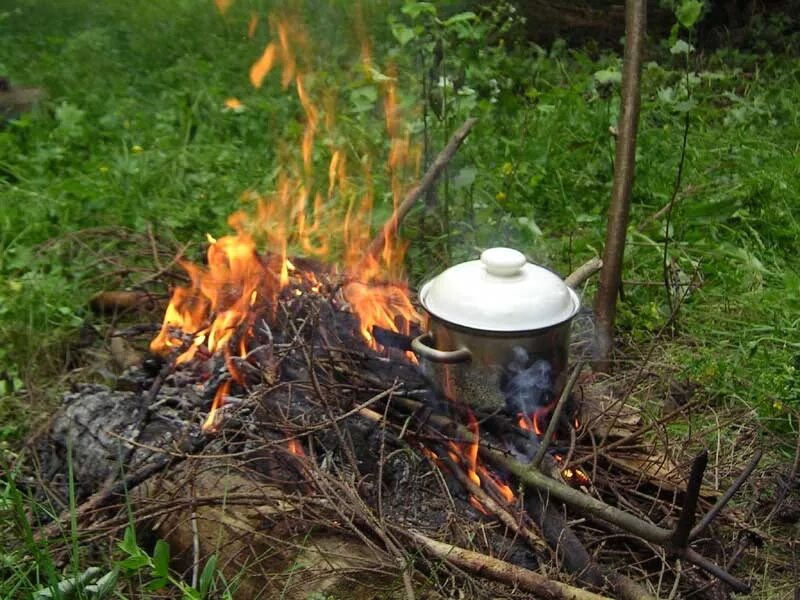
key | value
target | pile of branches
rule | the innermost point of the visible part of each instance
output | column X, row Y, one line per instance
column 332, row 471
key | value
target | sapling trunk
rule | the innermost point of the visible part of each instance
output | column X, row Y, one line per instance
column 605, row 305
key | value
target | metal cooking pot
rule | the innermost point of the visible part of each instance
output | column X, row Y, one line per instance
column 487, row 315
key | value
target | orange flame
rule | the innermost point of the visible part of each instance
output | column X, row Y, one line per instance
column 295, row 447
column 216, row 310
column 252, row 25
column 210, row 424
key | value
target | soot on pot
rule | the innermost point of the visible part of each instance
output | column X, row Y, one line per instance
column 529, row 388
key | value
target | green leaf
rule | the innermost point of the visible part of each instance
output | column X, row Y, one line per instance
column 608, row 77
column 531, row 225
column 688, row 12
column 363, row 98
column 207, row 576
column 681, row 47
column 401, row 32
column 376, row 75
column 461, row 18
column 666, row 95
column 128, row 543
column 134, row 562
column 414, row 9
column 161, row 559
column 156, row 584
column 464, row 178
column 103, row 586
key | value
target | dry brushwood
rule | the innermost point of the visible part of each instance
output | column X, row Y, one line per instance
column 508, row 573
column 676, row 541
column 358, row 417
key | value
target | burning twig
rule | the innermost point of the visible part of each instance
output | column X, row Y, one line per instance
column 501, row 570
column 517, row 525
column 556, row 416
column 430, row 177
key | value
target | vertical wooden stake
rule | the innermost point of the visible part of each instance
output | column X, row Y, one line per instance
column 605, row 304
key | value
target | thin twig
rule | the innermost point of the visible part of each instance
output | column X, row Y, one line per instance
column 726, row 497
column 431, row 175
column 500, row 570
column 556, row 416
column 582, row 273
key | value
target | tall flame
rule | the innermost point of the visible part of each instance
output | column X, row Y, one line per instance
column 301, row 213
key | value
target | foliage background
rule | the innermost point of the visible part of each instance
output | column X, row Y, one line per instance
column 133, row 137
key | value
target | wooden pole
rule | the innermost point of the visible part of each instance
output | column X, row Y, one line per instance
column 605, row 305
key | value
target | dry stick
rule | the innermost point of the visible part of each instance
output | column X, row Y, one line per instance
column 582, row 273
column 713, row 568
column 680, row 537
column 501, row 571
column 726, row 497
column 556, row 416
column 430, row 177
column 605, row 305
column 536, row 479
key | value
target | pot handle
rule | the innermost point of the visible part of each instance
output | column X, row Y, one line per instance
column 448, row 357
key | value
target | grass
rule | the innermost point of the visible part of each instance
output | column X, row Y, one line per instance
column 133, row 137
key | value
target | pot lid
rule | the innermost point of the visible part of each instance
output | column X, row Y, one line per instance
column 500, row 292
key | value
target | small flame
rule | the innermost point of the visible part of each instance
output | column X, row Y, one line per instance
column 576, row 477
column 210, row 424
column 252, row 25
column 295, row 447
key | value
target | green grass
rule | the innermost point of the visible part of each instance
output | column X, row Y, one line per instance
column 133, row 136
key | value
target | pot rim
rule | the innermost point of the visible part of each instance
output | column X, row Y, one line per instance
column 502, row 334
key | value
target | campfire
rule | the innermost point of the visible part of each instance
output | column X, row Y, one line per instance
column 285, row 396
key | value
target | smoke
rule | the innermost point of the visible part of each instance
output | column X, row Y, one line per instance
column 527, row 386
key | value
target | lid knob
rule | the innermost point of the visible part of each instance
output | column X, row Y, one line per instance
column 503, row 262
